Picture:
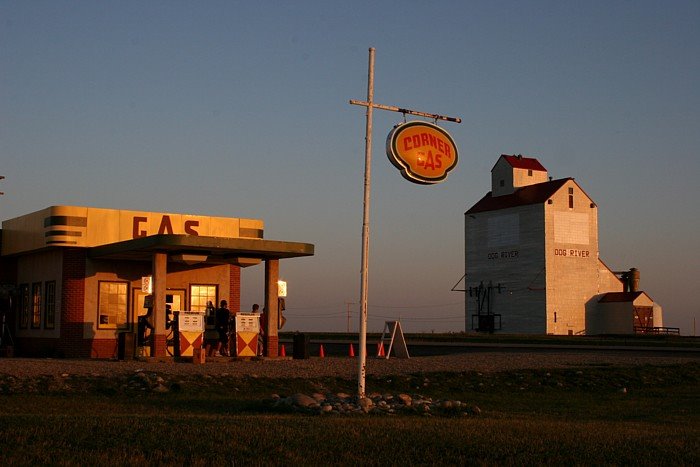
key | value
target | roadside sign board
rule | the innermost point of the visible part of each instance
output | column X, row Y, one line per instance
column 423, row 152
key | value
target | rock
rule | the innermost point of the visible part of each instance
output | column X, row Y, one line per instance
column 342, row 395
column 623, row 391
column 365, row 404
column 406, row 399
column 302, row 400
column 318, row 397
column 160, row 389
column 476, row 410
column 326, row 408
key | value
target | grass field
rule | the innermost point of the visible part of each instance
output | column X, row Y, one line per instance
column 579, row 416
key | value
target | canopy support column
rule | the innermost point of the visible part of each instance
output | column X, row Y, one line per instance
column 271, row 340
column 160, row 272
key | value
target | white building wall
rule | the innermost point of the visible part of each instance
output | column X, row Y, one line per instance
column 571, row 250
column 607, row 281
column 612, row 318
column 502, row 178
column 658, row 315
column 506, row 247
column 526, row 177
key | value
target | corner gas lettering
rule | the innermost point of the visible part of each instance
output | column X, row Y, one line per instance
column 165, row 227
column 503, row 254
column 573, row 253
column 425, row 139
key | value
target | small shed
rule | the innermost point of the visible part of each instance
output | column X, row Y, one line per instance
column 626, row 313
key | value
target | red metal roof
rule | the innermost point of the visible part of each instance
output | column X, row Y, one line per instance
column 521, row 162
column 621, row 297
column 523, row 196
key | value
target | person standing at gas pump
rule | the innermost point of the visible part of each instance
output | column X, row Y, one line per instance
column 261, row 332
column 222, row 317
column 144, row 325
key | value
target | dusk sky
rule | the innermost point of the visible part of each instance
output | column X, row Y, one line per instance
column 240, row 109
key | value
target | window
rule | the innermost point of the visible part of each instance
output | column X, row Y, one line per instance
column 24, row 306
column 50, row 305
column 571, row 198
column 529, row 172
column 112, row 305
column 502, row 183
column 36, row 305
column 200, row 295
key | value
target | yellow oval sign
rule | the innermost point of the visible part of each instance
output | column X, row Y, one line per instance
column 423, row 152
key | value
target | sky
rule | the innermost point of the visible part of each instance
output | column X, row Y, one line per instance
column 241, row 109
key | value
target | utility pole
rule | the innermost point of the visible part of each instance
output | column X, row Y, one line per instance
column 370, row 105
column 347, row 304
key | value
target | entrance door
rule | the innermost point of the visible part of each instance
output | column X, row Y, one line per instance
column 176, row 299
column 173, row 297
column 137, row 308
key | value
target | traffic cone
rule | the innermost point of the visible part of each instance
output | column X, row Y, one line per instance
column 321, row 352
column 380, row 349
column 283, row 352
column 352, row 351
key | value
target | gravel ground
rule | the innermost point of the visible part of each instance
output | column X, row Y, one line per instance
column 334, row 366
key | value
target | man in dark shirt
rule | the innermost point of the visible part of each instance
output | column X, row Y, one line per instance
column 222, row 316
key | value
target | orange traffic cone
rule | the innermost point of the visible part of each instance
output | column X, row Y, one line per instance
column 352, row 351
column 283, row 352
column 321, row 352
column 380, row 349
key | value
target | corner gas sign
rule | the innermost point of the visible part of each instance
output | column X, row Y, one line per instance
column 423, row 152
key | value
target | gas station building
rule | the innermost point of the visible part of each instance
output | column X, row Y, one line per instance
column 74, row 278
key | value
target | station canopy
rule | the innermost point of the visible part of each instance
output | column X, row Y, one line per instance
column 195, row 248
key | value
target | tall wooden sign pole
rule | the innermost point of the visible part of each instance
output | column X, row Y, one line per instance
column 362, row 360
column 370, row 105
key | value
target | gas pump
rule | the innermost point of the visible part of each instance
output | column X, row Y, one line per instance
column 247, row 332
column 188, row 331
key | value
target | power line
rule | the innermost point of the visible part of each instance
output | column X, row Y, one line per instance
column 322, row 307
column 419, row 306
column 432, row 318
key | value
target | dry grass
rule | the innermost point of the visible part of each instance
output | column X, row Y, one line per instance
column 561, row 417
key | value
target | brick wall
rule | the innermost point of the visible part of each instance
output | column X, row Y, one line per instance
column 234, row 299
column 72, row 343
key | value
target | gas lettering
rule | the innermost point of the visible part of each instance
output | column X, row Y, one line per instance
column 165, row 227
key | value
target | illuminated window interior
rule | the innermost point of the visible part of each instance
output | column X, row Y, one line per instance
column 50, row 305
column 36, row 305
column 112, row 305
column 24, row 306
column 200, row 295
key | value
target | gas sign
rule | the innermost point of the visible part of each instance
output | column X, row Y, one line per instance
column 423, row 152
